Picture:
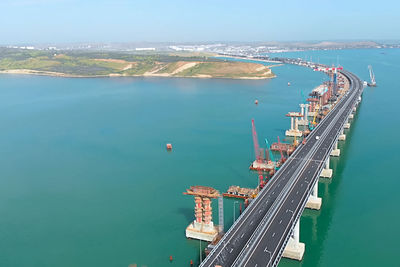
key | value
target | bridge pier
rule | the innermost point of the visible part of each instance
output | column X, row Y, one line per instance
column 347, row 124
column 304, row 113
column 342, row 136
column 294, row 249
column 326, row 172
column 314, row 202
column 294, row 124
column 335, row 151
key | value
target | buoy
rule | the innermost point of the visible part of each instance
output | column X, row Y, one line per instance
column 288, row 84
column 169, row 146
column 256, row 102
column 191, row 263
column 170, row 258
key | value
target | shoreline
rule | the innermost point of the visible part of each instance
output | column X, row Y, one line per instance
column 254, row 59
column 114, row 75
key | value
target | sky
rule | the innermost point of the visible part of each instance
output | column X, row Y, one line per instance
column 75, row 21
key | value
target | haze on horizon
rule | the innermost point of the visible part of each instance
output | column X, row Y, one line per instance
column 69, row 21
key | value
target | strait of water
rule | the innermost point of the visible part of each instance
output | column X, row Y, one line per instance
column 86, row 179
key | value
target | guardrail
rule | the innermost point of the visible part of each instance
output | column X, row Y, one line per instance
column 305, row 197
column 284, row 191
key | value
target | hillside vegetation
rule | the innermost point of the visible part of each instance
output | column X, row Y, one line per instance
column 95, row 64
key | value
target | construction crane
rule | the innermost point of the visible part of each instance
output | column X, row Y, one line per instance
column 283, row 159
column 271, row 156
column 313, row 123
column 258, row 153
column 372, row 77
column 332, row 72
column 268, row 150
column 279, row 163
column 295, row 143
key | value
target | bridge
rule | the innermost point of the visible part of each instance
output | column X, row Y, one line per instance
column 269, row 226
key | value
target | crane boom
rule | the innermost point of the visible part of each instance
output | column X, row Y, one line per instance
column 255, row 142
column 271, row 156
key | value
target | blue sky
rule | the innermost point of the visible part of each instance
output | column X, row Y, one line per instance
column 56, row 21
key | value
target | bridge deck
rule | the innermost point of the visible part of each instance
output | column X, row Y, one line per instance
column 260, row 234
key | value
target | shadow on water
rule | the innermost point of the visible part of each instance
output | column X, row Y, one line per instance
column 315, row 225
column 187, row 213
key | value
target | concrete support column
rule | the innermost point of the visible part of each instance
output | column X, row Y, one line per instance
column 335, row 151
column 296, row 124
column 294, row 249
column 314, row 191
column 314, row 202
column 326, row 172
column 291, row 123
column 306, row 113
column 342, row 136
column 347, row 124
column 302, row 109
column 296, row 232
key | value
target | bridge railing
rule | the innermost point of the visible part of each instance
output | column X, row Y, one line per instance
column 301, row 207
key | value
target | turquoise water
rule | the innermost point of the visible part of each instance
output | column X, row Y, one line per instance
column 86, row 179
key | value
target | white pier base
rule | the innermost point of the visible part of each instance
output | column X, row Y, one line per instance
column 200, row 231
column 293, row 132
column 347, row 125
column 294, row 249
column 335, row 151
column 314, row 202
column 326, row 172
column 342, row 136
column 351, row 116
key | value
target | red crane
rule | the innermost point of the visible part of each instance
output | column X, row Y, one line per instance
column 283, row 159
column 257, row 152
column 255, row 142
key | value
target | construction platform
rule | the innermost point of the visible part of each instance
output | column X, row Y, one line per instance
column 293, row 132
column 202, row 231
column 265, row 166
column 284, row 147
column 240, row 192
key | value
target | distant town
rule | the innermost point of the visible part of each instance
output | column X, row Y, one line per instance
column 235, row 48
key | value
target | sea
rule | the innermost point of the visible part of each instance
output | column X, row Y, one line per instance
column 86, row 179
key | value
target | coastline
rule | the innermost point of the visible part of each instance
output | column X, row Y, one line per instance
column 112, row 75
column 253, row 59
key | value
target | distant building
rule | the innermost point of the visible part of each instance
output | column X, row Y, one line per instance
column 145, row 49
